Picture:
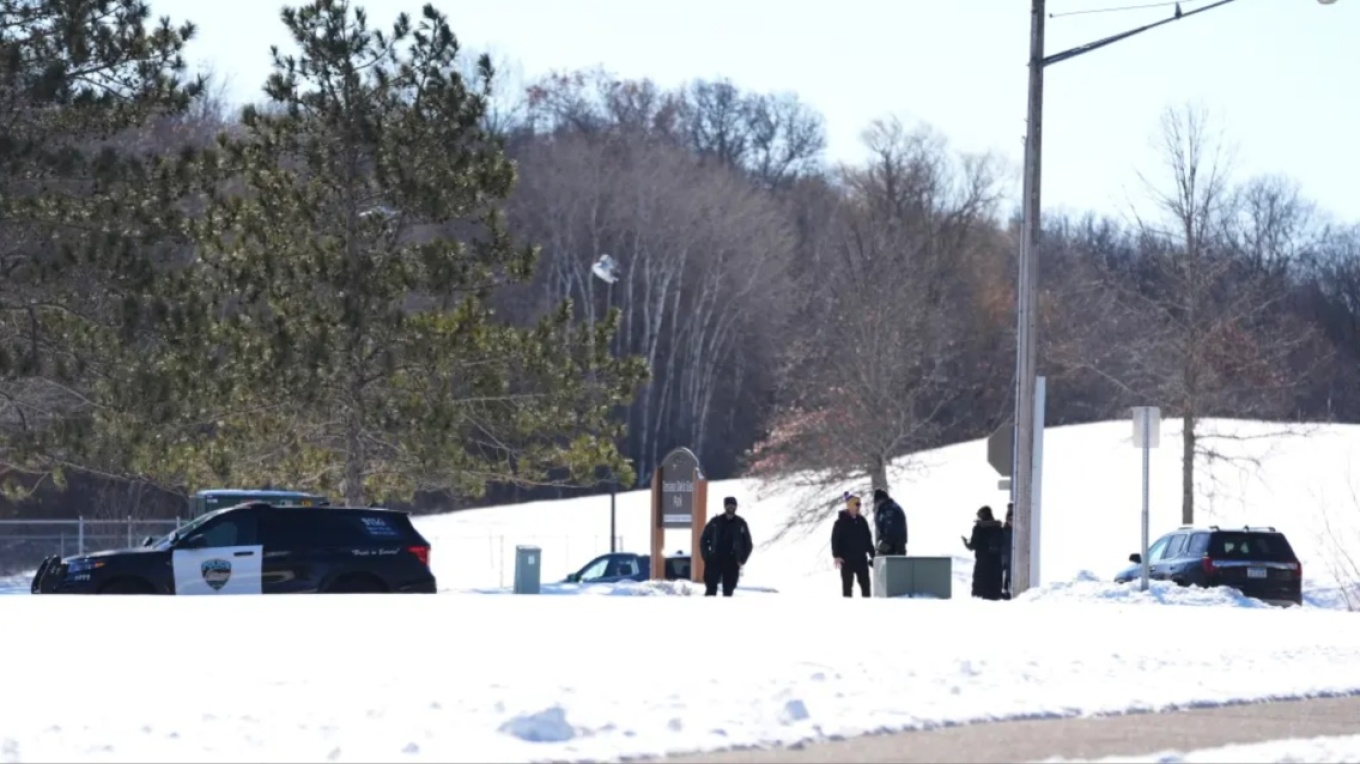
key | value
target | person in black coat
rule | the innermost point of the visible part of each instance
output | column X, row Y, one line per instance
column 986, row 544
column 852, row 546
column 725, row 547
column 891, row 524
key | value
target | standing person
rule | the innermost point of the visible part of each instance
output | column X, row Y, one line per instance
column 725, row 546
column 891, row 524
column 852, row 546
column 986, row 544
column 1006, row 548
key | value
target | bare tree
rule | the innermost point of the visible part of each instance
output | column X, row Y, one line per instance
column 773, row 137
column 1199, row 319
column 872, row 376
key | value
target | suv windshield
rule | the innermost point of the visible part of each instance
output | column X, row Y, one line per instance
column 1248, row 545
column 164, row 542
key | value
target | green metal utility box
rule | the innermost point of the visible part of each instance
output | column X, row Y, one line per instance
column 904, row 576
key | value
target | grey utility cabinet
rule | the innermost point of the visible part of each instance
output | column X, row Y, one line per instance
column 528, row 569
column 902, row 576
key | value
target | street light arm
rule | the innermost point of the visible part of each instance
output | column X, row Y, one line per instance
column 1090, row 46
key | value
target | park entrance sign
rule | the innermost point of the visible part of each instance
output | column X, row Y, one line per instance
column 679, row 500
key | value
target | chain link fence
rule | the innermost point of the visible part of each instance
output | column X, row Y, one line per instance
column 24, row 543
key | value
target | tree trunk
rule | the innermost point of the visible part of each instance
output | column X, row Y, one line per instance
column 1188, row 470
column 352, row 483
column 878, row 474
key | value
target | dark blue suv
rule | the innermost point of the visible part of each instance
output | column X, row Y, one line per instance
column 1259, row 562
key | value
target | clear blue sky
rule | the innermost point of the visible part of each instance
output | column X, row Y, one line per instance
column 1281, row 76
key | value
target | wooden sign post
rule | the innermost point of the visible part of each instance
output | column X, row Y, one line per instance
column 679, row 500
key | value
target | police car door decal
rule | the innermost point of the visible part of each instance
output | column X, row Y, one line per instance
column 218, row 570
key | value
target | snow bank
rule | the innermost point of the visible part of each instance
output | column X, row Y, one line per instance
column 1087, row 587
column 524, row 678
column 1335, row 597
column 620, row 589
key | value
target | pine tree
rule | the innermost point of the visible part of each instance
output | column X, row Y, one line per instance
column 353, row 258
column 85, row 213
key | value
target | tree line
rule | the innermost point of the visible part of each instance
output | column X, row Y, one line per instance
column 806, row 324
column 377, row 282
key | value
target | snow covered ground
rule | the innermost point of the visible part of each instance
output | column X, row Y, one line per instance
column 1303, row 480
column 513, row 678
column 646, row 669
column 1339, row 749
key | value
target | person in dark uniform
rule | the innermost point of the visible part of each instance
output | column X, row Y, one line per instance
column 725, row 547
column 986, row 544
column 852, row 546
column 891, row 524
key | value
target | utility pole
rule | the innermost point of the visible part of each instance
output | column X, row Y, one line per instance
column 1026, row 341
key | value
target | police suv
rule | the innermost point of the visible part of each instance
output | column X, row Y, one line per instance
column 258, row 548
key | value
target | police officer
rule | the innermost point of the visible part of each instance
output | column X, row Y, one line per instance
column 725, row 547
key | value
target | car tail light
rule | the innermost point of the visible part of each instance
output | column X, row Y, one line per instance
column 422, row 553
column 1209, row 564
column 1296, row 568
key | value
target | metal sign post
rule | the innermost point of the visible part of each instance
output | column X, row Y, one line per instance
column 1147, row 427
column 1036, row 485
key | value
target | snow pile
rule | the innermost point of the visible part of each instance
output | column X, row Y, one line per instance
column 1087, row 587
column 622, row 589
column 1337, row 597
column 617, row 589
column 1339, row 749
column 522, row 678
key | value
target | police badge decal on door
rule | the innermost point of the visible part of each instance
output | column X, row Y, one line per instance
column 218, row 570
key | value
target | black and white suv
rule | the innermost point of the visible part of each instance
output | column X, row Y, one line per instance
column 258, row 548
column 1259, row 562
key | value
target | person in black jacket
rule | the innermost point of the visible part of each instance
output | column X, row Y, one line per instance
column 891, row 524
column 725, row 546
column 852, row 545
column 986, row 544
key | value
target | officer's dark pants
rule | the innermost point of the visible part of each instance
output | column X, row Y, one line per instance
column 725, row 572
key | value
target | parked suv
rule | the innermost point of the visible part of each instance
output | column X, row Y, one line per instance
column 1259, row 562
column 258, row 548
